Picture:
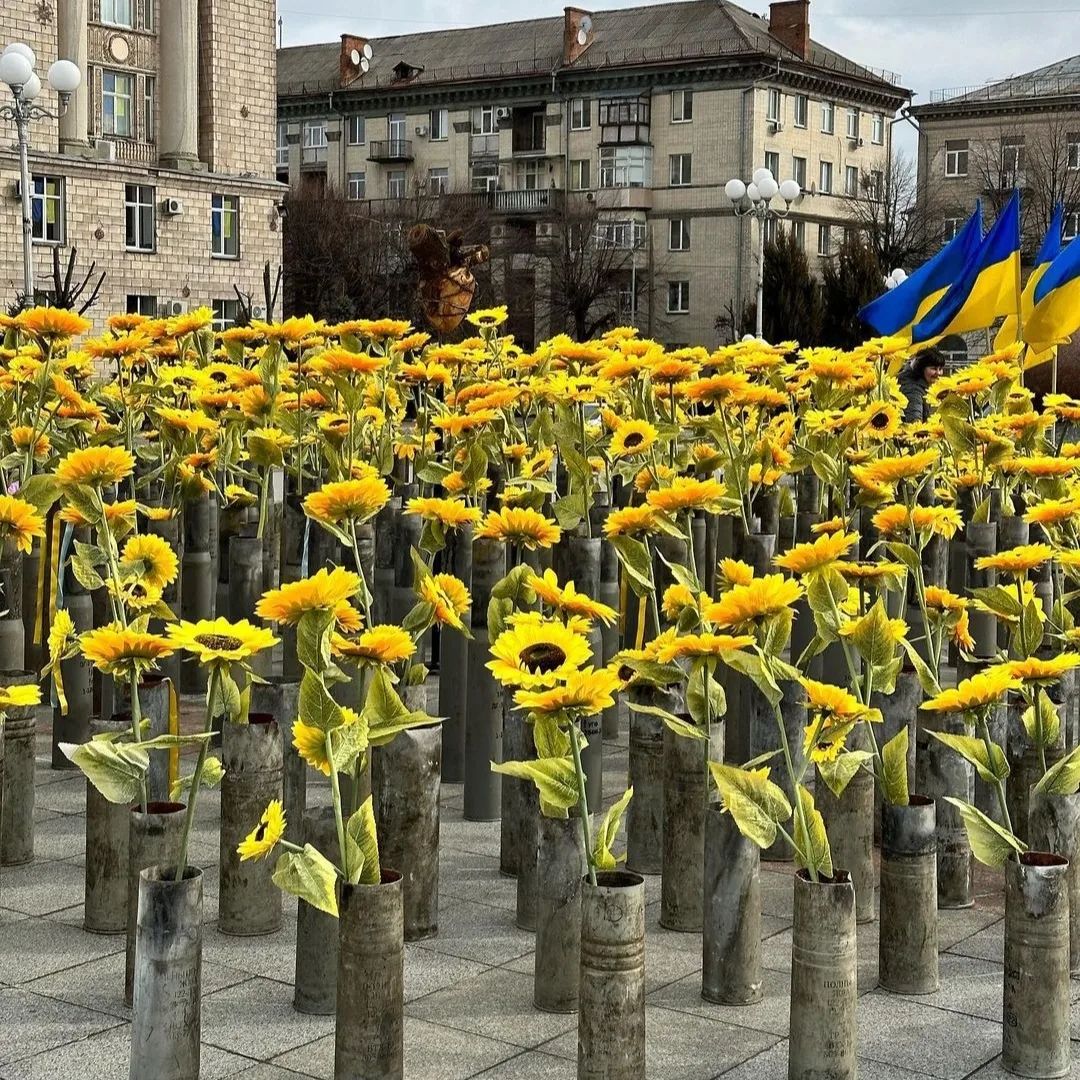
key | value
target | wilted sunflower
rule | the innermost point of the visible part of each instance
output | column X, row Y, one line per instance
column 687, row 493
column 348, row 500
column 520, row 525
column 585, row 693
column 1017, row 560
column 96, row 466
column 265, row 836
column 219, row 641
column 632, row 438
column 980, row 690
column 151, row 560
column 116, row 650
column 448, row 596
column 323, row 591
column 762, row 597
column 383, row 644
column 816, row 554
column 567, row 598
column 450, row 513
column 541, row 653
column 20, row 522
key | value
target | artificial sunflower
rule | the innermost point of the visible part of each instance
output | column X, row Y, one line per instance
column 265, row 836
column 631, row 520
column 537, row 653
column 323, row 591
column 1017, row 560
column 488, row 318
column 122, row 651
column 52, row 324
column 816, row 554
column 450, row 513
column 762, row 597
column 687, row 493
column 340, row 361
column 151, row 560
column 520, row 525
column 96, row 466
column 677, row 598
column 1053, row 511
column 448, row 596
column 736, row 572
column 382, row 644
column 1042, row 672
column 348, row 500
column 980, row 690
column 584, row 692
column 632, row 438
column 890, row 470
column 219, row 641
column 19, row 696
column 693, row 646
column 880, row 420
column 24, row 437
column 567, row 598
column 20, row 522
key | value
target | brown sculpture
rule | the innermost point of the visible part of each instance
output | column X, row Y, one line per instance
column 447, row 285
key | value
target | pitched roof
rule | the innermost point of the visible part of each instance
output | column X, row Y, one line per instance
column 653, row 33
column 1054, row 80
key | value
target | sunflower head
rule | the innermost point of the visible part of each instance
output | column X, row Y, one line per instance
column 20, row 522
column 150, row 561
column 219, row 642
column 448, row 596
column 521, row 525
column 382, row 644
column 123, row 651
column 537, row 653
column 265, row 836
column 323, row 591
column 96, row 466
column 348, row 500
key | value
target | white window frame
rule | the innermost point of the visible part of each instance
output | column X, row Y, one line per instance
column 854, row 123
column 679, row 292
column 1070, row 226
column 141, row 304
column 147, row 18
column 775, row 108
column 394, row 178
column 487, row 179
column 115, row 95
column 825, row 167
column 828, row 118
column 225, row 311
column 580, row 174
column 356, row 185
column 439, row 125
column 950, row 226
column 769, row 227
column 875, row 185
column 225, row 208
column 802, row 109
column 680, row 176
column 953, row 155
column 281, row 146
column 149, row 108
column 43, row 199
column 824, row 241
column 313, row 144
column 1012, row 151
column 1072, row 151
column 137, row 198
column 580, row 114
column 877, row 129
column 796, row 169
column 438, row 180
column 772, row 162
column 356, row 132
column 679, row 234
column 682, row 106
column 113, row 13
column 483, row 120
column 798, row 231
column 625, row 166
column 851, row 181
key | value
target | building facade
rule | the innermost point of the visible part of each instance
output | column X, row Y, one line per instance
column 161, row 172
column 645, row 113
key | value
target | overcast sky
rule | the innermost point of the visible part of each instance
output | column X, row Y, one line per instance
column 931, row 44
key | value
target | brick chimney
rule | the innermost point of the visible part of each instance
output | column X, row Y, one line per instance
column 348, row 70
column 789, row 23
column 578, row 33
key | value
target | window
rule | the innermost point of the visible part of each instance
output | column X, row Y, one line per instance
column 225, row 226
column 877, row 129
column 1070, row 226
column 627, row 304
column 680, row 170
column 528, row 175
column 853, row 123
column 679, row 234
column 625, row 166
column 798, row 231
column 824, row 240
column 395, row 127
column 802, row 110
column 828, row 118
column 772, row 163
column 395, row 184
column 956, row 157
column 314, row 146
column 225, row 313
column 770, row 230
column 438, row 180
column 950, row 227
column 148, row 18
column 678, row 297
column 624, row 120
column 47, row 209
column 357, row 185
column 283, row 146
column 116, row 92
column 775, row 103
column 1012, row 156
column 138, row 217
column 138, row 304
column 357, row 133
column 580, row 114
column 851, row 181
column 825, row 178
column 682, row 106
column 439, row 125
column 117, row 12
column 149, row 93
column 622, row 233
column 798, row 171
column 580, row 174
column 1072, row 141
column 483, row 120
column 484, row 177
column 875, row 185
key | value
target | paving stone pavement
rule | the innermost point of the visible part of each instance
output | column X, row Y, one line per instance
column 468, row 991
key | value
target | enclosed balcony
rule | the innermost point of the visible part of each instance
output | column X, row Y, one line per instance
column 390, row 150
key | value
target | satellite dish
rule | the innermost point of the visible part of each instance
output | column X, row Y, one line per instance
column 586, row 23
column 354, row 56
column 364, row 65
column 367, row 51
column 582, row 37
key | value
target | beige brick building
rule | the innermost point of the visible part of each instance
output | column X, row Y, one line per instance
column 645, row 112
column 161, row 171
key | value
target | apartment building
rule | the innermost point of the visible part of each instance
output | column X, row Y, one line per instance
column 644, row 112
column 161, row 172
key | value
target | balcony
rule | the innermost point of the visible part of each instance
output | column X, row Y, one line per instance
column 514, row 203
column 390, row 150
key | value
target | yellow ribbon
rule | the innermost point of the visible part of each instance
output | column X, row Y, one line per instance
column 174, row 729
column 642, row 611
column 623, row 590
column 54, row 569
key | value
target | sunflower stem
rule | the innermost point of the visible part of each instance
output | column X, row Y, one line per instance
column 136, row 726
column 583, row 802
column 800, row 817
column 196, row 776
column 999, row 786
column 339, row 820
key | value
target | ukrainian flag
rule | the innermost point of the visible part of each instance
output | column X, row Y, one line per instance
column 1056, row 316
column 896, row 312
column 1050, row 250
column 988, row 286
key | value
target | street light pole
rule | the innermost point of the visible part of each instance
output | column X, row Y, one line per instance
column 17, row 71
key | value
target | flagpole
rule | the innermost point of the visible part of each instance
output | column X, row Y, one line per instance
column 1019, row 288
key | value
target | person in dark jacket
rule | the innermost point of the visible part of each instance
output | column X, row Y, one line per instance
column 915, row 378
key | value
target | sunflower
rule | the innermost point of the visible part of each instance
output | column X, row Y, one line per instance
column 942, row 521
column 880, row 420
column 19, row 696
column 1041, row 465
column 869, row 571
column 817, row 554
column 52, row 323
column 698, row 645
column 117, row 650
column 1050, row 511
column 983, row 689
column 219, row 641
column 686, row 493
column 448, row 596
column 488, row 318
column 310, row 743
column 353, row 500
column 450, row 513
column 340, row 361
column 836, row 524
column 20, row 522
column 677, row 598
column 134, row 595
column 1017, row 560
column 265, row 836
column 585, row 692
column 1042, row 672
column 23, row 437
column 520, row 525
column 824, row 697
column 537, row 653
column 632, row 439
column 566, row 598
column 324, row 591
column 759, row 599
column 630, row 520
column 736, row 572
column 938, row 599
column 151, row 559
column 96, row 466
column 889, row 470
column 961, row 633
column 383, row 644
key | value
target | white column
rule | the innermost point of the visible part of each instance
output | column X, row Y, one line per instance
column 178, row 73
column 71, row 45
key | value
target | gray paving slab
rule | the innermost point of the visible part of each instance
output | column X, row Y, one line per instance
column 66, row 795
column 60, row 836
column 534, row 1065
column 772, row 1065
column 36, row 947
column 994, row 1070
column 985, row 944
column 479, row 932
column 769, row 1015
column 43, row 886
column 31, row 1024
column 427, row 970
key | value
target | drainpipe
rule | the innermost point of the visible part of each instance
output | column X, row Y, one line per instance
column 745, row 170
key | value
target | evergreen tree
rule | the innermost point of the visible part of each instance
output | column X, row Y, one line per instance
column 849, row 281
column 793, row 305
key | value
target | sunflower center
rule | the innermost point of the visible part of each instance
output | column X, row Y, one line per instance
column 137, row 591
column 633, row 440
column 219, row 642
column 879, row 420
column 219, row 377
column 626, row 673
column 543, row 657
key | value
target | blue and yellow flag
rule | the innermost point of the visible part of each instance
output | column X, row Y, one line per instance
column 988, row 286
column 1048, row 252
column 1056, row 316
column 895, row 313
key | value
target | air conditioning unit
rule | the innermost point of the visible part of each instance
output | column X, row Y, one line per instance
column 172, row 307
column 258, row 312
column 105, row 150
column 173, row 207
column 16, row 189
column 776, row 125
column 502, row 113
column 421, row 130
column 857, row 143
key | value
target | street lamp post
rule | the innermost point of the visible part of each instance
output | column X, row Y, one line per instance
column 17, row 71
column 755, row 200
